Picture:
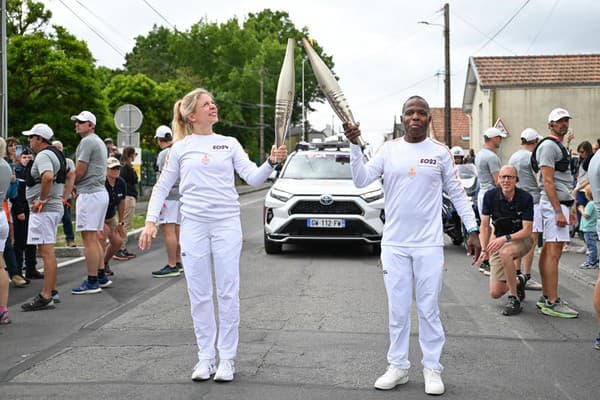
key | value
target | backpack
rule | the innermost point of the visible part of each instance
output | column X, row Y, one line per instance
column 561, row 165
column 61, row 175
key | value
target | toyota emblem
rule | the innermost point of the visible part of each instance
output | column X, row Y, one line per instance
column 326, row 200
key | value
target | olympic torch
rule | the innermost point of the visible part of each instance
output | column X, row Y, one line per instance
column 284, row 99
column 330, row 87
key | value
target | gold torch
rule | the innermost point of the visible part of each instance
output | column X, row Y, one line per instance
column 284, row 100
column 330, row 87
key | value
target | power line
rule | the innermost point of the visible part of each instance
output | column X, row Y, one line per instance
column 159, row 14
column 542, row 26
column 480, row 32
column 114, row 47
column 503, row 26
column 113, row 29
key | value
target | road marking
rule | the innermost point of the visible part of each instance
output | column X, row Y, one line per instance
column 557, row 385
column 524, row 341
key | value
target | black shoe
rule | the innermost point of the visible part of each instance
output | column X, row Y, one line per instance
column 521, row 286
column 485, row 268
column 512, row 307
column 38, row 303
column 121, row 255
column 34, row 274
column 107, row 270
column 129, row 254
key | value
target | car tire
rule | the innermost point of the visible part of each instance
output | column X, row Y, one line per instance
column 376, row 249
column 272, row 247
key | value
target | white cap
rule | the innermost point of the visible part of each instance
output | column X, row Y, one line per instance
column 530, row 134
column 162, row 131
column 457, row 151
column 493, row 132
column 557, row 114
column 113, row 162
column 84, row 116
column 42, row 130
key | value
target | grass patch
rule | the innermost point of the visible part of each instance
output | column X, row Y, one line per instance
column 139, row 221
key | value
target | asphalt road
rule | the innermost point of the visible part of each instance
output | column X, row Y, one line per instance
column 313, row 326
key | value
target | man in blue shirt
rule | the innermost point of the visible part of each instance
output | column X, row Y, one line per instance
column 511, row 212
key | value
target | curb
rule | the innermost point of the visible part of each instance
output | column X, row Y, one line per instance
column 77, row 252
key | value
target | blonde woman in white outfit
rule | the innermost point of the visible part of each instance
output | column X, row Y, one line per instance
column 205, row 163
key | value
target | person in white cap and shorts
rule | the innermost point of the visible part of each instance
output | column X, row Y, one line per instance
column 169, row 218
column 528, row 181
column 553, row 160
column 92, row 200
column 45, row 180
column 488, row 165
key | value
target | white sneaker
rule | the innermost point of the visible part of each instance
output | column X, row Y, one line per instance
column 393, row 377
column 225, row 371
column 203, row 370
column 433, row 381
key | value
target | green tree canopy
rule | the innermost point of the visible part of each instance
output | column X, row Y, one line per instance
column 229, row 59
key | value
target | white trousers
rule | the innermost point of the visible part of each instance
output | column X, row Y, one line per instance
column 403, row 269
column 204, row 245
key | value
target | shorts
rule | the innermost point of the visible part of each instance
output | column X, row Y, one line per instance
column 42, row 227
column 169, row 213
column 112, row 223
column 538, row 226
column 496, row 270
column 90, row 211
column 553, row 233
column 3, row 230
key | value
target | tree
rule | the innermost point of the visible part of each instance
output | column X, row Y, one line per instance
column 228, row 59
column 51, row 77
column 25, row 17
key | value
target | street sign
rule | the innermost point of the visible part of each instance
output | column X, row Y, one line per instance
column 500, row 126
column 128, row 118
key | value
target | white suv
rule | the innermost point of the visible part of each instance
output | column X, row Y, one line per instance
column 314, row 198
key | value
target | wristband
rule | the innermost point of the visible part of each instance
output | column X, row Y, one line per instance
column 508, row 238
column 474, row 229
column 271, row 163
column 557, row 212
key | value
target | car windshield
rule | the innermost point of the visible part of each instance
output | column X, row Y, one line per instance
column 313, row 165
column 466, row 171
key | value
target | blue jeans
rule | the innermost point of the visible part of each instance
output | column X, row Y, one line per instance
column 590, row 241
column 68, row 223
column 10, row 261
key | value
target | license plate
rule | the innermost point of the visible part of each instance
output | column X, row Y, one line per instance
column 326, row 223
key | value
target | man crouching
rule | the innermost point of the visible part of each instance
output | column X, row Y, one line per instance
column 511, row 212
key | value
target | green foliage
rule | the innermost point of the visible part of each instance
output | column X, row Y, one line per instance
column 51, row 74
column 51, row 77
column 25, row 17
column 228, row 59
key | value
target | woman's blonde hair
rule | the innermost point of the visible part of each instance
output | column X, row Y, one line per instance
column 182, row 110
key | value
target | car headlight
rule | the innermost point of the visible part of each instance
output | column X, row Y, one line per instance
column 372, row 196
column 280, row 195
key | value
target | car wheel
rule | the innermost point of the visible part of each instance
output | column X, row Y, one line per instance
column 376, row 249
column 272, row 247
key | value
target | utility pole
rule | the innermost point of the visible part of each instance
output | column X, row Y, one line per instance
column 448, row 105
column 303, row 112
column 262, row 117
column 3, row 73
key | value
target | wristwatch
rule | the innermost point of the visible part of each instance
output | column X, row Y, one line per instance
column 508, row 238
column 271, row 163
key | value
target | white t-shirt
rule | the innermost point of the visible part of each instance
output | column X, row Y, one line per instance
column 415, row 174
column 205, row 165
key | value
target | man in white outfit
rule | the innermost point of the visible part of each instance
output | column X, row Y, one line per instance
column 417, row 169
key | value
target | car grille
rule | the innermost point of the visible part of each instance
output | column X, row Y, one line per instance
column 353, row 228
column 337, row 207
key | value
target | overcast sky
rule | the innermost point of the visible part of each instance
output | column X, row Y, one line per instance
column 381, row 54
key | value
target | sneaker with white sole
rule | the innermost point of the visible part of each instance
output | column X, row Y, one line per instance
column 203, row 370
column 433, row 381
column 532, row 284
column 225, row 371
column 393, row 377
